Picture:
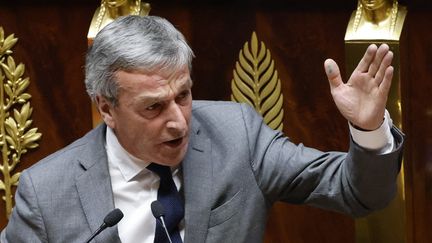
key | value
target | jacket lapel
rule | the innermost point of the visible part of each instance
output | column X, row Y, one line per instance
column 94, row 186
column 197, row 176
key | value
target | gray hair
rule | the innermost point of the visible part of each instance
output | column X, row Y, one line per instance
column 133, row 43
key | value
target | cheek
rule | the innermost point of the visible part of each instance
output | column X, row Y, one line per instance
column 148, row 131
column 141, row 139
column 132, row 128
column 187, row 112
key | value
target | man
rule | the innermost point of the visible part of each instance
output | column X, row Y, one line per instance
column 228, row 167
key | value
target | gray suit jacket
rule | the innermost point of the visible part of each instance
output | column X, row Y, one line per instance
column 234, row 170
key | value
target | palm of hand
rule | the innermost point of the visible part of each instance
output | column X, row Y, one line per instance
column 363, row 98
column 360, row 101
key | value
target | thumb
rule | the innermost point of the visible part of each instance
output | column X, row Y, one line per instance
column 333, row 73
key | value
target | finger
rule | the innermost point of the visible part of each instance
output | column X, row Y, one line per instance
column 383, row 67
column 377, row 61
column 333, row 73
column 386, row 83
column 368, row 57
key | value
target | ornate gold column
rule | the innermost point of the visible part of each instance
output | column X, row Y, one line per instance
column 380, row 21
column 112, row 9
column 105, row 14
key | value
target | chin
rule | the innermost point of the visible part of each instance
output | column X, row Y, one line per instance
column 172, row 159
column 170, row 162
column 169, row 159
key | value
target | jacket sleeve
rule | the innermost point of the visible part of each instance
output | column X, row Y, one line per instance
column 354, row 183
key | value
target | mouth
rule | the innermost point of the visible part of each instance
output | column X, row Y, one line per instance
column 175, row 142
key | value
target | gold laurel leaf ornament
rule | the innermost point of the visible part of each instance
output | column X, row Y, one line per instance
column 16, row 134
column 256, row 82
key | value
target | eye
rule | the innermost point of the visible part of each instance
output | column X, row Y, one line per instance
column 152, row 110
column 183, row 95
column 154, row 106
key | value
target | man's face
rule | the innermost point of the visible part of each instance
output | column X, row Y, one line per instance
column 151, row 120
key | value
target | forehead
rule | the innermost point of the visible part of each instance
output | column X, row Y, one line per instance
column 138, row 81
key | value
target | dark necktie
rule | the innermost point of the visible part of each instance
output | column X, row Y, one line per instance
column 172, row 202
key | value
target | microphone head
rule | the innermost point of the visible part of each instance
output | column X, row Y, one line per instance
column 157, row 209
column 113, row 217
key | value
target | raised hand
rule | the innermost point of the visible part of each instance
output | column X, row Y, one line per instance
column 363, row 98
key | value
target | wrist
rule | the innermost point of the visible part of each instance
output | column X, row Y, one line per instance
column 367, row 129
column 362, row 129
column 373, row 139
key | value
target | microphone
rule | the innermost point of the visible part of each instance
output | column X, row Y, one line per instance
column 111, row 219
column 159, row 212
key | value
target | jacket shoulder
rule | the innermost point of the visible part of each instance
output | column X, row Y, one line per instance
column 64, row 160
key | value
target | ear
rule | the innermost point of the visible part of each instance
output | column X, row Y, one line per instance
column 106, row 109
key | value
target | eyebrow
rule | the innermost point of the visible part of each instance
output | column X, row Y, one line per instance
column 151, row 97
column 186, row 85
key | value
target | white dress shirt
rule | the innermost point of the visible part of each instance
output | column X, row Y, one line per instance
column 135, row 188
column 380, row 140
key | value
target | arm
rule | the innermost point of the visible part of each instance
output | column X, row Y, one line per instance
column 353, row 183
column 26, row 223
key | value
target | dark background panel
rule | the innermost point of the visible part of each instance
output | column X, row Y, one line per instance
column 417, row 122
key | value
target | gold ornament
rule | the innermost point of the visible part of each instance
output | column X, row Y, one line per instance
column 393, row 16
column 16, row 136
column 112, row 9
column 256, row 83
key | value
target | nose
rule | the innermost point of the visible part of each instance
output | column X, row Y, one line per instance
column 176, row 119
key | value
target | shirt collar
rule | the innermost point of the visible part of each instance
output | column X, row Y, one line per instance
column 129, row 165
